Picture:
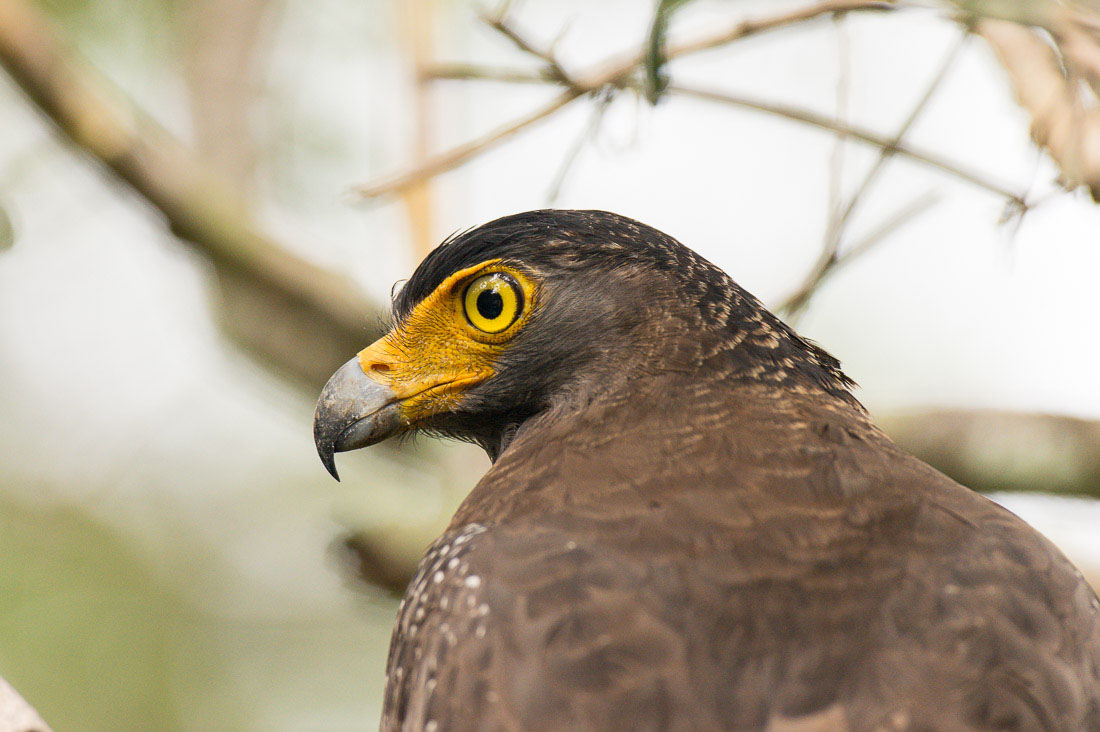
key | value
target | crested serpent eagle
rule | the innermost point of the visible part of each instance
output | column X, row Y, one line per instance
column 690, row 523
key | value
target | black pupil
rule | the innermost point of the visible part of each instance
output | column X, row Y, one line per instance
column 490, row 304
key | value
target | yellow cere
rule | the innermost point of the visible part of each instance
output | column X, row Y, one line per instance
column 452, row 338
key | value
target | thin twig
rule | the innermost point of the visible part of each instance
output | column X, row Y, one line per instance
column 480, row 72
column 887, row 152
column 902, row 216
column 798, row 300
column 797, row 114
column 618, row 73
column 747, row 28
column 836, row 160
column 615, row 73
column 554, row 70
column 570, row 158
column 458, row 155
column 828, row 258
column 856, row 133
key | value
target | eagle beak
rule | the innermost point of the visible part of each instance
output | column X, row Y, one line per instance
column 353, row 411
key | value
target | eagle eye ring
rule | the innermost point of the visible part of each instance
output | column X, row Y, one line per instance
column 493, row 302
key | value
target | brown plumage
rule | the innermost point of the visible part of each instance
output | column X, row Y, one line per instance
column 691, row 524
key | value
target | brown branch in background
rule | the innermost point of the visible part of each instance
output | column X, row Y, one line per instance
column 1069, row 131
column 622, row 72
column 591, row 129
column 275, row 303
column 831, row 262
column 747, row 28
column 456, row 156
column 993, row 451
column 615, row 73
column 830, row 257
column 861, row 134
column 552, row 69
column 833, row 223
column 481, row 72
column 376, row 560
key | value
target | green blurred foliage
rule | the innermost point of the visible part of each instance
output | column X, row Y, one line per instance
column 85, row 625
column 116, row 22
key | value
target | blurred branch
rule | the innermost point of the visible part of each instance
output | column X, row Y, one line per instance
column 222, row 45
column 417, row 27
column 620, row 73
column 16, row 715
column 861, row 134
column 553, row 71
column 832, row 261
column 1063, row 123
column 376, row 560
column 455, row 157
column 481, row 72
column 747, row 28
column 293, row 314
column 992, row 451
column 591, row 129
column 830, row 257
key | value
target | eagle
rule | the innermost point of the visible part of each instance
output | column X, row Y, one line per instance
column 690, row 523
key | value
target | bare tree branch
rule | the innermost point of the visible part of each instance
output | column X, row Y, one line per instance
column 833, row 224
column 747, row 28
column 830, row 256
column 861, row 134
column 830, row 262
column 887, row 152
column 570, row 158
column 992, row 451
column 622, row 73
column 274, row 302
column 615, row 73
column 481, row 72
column 552, row 69
column 457, row 156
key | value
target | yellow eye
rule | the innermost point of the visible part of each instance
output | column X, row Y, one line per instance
column 493, row 302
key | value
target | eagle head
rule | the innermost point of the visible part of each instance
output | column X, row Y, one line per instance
column 549, row 310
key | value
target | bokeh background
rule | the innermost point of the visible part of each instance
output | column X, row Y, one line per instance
column 186, row 252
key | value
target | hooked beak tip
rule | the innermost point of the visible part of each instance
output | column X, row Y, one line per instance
column 353, row 411
column 328, row 459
